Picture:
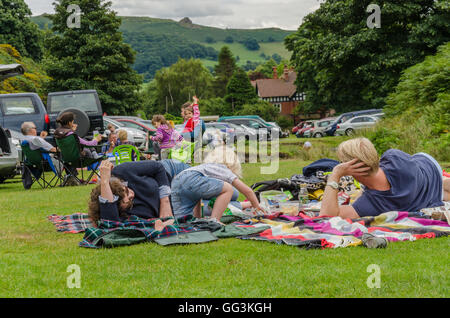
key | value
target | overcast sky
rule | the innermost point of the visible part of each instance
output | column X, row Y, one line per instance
column 285, row 14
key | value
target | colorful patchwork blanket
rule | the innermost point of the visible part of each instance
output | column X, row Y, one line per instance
column 333, row 232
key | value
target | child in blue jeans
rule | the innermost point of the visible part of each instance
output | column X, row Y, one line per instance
column 215, row 178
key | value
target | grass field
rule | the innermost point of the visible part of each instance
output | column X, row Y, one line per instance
column 34, row 257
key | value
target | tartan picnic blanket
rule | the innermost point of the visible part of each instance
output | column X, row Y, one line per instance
column 134, row 230
column 75, row 223
column 332, row 232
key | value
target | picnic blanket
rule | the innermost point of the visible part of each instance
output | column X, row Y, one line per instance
column 333, row 232
column 74, row 223
column 136, row 230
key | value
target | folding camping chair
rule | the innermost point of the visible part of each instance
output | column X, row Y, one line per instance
column 126, row 153
column 34, row 165
column 183, row 152
column 72, row 159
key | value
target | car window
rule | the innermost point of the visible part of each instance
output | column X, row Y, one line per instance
column 369, row 120
column 18, row 106
column 86, row 102
column 132, row 125
column 358, row 120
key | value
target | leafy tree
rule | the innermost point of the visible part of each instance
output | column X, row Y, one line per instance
column 176, row 85
column 261, row 108
column 93, row 56
column 210, row 40
column 239, row 90
column 17, row 30
column 418, row 111
column 223, row 71
column 251, row 44
column 345, row 65
column 229, row 39
column 266, row 68
column 215, row 106
column 277, row 58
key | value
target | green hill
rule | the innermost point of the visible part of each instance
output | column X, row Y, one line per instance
column 160, row 42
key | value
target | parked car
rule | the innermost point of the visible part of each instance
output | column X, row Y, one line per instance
column 19, row 108
column 331, row 130
column 9, row 157
column 225, row 128
column 254, row 122
column 308, row 124
column 354, row 124
column 137, row 136
column 317, row 128
column 139, row 125
column 86, row 106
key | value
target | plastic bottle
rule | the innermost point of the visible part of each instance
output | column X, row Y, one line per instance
column 303, row 197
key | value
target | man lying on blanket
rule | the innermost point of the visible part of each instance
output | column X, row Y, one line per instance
column 139, row 188
column 396, row 182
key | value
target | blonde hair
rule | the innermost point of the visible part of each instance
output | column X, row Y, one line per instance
column 122, row 134
column 362, row 149
column 225, row 156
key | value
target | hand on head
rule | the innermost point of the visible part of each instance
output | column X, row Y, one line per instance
column 354, row 168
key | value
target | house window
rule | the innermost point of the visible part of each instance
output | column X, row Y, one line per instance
column 278, row 106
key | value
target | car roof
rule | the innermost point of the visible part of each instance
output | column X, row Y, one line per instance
column 11, row 70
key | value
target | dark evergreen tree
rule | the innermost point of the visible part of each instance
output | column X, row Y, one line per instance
column 223, row 71
column 240, row 91
column 93, row 56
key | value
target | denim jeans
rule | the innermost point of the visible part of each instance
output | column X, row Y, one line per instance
column 189, row 187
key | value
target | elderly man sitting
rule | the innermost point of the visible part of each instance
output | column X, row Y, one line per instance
column 37, row 142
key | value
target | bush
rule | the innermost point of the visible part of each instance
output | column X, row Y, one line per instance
column 418, row 112
column 285, row 122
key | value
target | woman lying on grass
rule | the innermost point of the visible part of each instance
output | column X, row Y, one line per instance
column 215, row 178
column 396, row 182
column 139, row 188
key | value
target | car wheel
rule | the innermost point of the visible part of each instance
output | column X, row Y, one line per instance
column 349, row 132
column 81, row 119
column 318, row 135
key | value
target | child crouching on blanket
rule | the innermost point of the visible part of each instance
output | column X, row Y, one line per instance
column 215, row 178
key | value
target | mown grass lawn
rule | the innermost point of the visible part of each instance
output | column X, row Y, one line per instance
column 34, row 259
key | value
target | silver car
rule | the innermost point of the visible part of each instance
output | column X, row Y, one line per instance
column 356, row 123
column 9, row 156
column 138, row 137
column 318, row 127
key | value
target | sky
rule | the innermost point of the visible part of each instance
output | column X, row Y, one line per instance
column 236, row 14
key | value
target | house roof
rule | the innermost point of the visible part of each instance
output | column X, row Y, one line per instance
column 276, row 87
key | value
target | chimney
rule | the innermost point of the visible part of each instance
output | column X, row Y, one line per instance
column 275, row 72
column 286, row 74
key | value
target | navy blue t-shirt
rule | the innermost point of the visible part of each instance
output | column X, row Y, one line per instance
column 416, row 183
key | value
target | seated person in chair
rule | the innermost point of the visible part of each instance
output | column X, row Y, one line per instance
column 68, row 127
column 396, row 182
column 37, row 142
column 111, row 144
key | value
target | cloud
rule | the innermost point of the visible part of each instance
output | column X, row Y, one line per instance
column 285, row 14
